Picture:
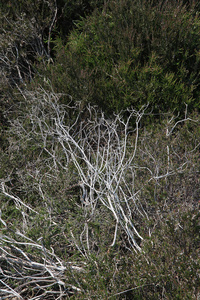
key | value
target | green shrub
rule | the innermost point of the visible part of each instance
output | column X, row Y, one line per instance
column 131, row 53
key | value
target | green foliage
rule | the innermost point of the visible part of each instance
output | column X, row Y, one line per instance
column 132, row 53
column 70, row 12
column 168, row 269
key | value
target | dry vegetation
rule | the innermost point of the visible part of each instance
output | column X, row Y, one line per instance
column 99, row 153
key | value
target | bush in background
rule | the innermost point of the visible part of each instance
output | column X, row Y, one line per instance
column 132, row 53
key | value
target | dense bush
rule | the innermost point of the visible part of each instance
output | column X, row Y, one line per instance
column 132, row 53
